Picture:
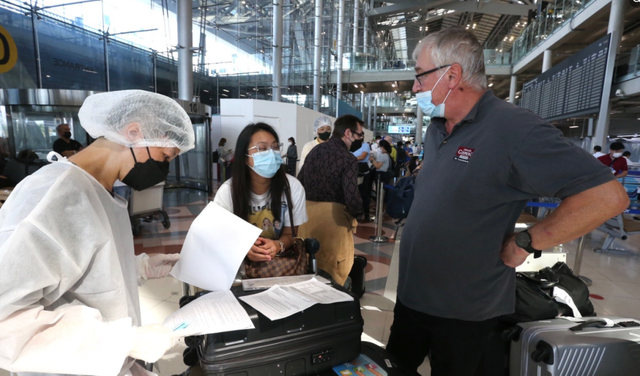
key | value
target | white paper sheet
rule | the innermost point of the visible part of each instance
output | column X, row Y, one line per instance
column 214, row 248
column 215, row 312
column 265, row 283
column 279, row 302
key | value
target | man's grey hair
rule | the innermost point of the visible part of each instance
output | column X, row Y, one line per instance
column 456, row 45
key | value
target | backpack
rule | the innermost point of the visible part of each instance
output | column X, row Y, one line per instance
column 400, row 198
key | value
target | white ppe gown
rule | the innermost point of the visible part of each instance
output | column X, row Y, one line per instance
column 68, row 279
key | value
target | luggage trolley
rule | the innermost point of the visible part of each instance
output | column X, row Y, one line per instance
column 147, row 205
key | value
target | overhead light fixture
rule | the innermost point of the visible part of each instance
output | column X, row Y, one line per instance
column 362, row 92
column 205, row 90
column 573, row 126
column 225, row 90
column 355, row 85
column 491, row 84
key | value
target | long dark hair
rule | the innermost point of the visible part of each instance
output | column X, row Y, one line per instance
column 241, row 175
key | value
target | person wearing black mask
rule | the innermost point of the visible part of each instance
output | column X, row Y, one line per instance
column 322, row 129
column 64, row 145
column 68, row 271
column 330, row 180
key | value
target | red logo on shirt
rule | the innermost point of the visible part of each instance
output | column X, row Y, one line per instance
column 463, row 154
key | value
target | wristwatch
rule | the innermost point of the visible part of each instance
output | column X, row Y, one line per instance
column 523, row 240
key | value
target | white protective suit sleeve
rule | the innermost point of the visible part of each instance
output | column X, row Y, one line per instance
column 66, row 293
column 71, row 339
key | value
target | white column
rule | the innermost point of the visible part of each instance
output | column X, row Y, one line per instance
column 185, row 56
column 513, row 89
column 356, row 19
column 547, row 60
column 277, row 50
column 340, row 51
column 616, row 26
column 317, row 51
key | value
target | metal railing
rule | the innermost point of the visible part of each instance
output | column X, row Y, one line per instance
column 555, row 16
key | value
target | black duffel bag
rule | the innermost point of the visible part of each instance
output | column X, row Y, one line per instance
column 534, row 294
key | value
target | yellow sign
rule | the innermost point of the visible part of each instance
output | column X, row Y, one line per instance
column 8, row 51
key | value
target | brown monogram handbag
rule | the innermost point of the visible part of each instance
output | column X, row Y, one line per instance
column 293, row 261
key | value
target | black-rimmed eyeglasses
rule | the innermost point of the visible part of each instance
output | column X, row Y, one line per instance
column 429, row 71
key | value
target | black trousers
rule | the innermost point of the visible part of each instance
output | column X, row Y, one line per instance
column 457, row 347
column 365, row 193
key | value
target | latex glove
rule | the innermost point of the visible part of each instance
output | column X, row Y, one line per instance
column 157, row 265
column 151, row 342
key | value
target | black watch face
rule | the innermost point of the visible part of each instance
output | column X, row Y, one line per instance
column 523, row 239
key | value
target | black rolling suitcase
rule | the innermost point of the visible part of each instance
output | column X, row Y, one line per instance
column 306, row 343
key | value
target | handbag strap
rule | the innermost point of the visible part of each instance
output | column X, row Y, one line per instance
column 287, row 195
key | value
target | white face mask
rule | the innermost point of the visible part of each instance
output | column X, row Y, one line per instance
column 617, row 155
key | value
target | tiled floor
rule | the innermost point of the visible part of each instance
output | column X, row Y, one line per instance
column 616, row 277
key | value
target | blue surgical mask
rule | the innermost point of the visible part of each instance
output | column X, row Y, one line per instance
column 427, row 106
column 266, row 163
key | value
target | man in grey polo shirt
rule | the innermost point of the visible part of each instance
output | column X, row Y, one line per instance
column 483, row 159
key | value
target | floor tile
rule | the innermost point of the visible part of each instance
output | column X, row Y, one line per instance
column 620, row 274
column 161, row 289
column 632, row 288
column 620, row 307
column 374, row 322
column 158, row 313
column 608, row 288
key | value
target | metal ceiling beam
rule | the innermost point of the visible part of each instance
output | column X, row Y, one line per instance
column 460, row 6
column 490, row 8
column 407, row 7
column 404, row 24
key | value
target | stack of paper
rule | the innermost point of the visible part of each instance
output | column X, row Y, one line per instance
column 283, row 301
column 215, row 312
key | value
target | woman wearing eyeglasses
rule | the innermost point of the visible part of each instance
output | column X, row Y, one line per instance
column 260, row 191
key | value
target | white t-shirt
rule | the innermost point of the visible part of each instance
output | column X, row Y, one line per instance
column 598, row 154
column 261, row 215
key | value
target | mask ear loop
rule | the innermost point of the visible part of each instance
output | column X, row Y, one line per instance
column 148, row 152
column 134, row 156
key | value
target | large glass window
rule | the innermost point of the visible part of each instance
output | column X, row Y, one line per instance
column 34, row 127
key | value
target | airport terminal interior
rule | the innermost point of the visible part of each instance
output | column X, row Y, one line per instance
column 575, row 63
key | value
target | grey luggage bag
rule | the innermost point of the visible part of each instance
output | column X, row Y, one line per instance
column 561, row 347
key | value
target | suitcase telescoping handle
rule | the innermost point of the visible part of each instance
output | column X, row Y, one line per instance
column 312, row 246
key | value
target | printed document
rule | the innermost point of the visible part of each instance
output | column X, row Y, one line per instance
column 279, row 302
column 255, row 284
column 215, row 312
column 214, row 248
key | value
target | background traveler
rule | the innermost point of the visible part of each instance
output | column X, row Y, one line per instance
column 64, row 145
column 364, row 178
column 322, row 129
column 597, row 151
column 292, row 157
column 616, row 162
column 224, row 157
column 330, row 179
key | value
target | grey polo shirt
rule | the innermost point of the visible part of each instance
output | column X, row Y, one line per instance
column 472, row 187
